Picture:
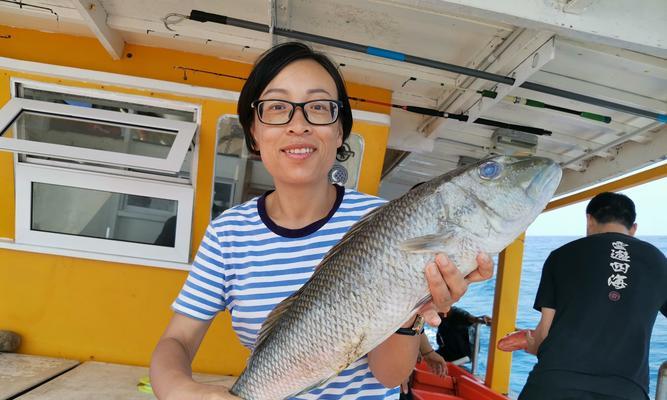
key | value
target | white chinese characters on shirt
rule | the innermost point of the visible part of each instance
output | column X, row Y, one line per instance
column 620, row 265
column 617, row 281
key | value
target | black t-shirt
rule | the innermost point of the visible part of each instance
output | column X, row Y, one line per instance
column 607, row 290
column 453, row 335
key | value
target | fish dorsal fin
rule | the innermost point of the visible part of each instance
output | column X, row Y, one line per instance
column 274, row 316
column 359, row 225
column 435, row 243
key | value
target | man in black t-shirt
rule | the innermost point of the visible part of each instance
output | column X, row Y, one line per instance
column 599, row 297
column 454, row 333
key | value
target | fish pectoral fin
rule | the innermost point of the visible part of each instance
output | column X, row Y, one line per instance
column 427, row 244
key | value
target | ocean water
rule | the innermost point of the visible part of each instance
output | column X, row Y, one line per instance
column 479, row 301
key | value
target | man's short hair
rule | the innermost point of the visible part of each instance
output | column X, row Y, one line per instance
column 609, row 207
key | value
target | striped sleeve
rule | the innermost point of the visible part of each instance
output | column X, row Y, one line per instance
column 204, row 293
column 355, row 382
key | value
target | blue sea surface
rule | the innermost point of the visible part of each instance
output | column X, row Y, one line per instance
column 479, row 301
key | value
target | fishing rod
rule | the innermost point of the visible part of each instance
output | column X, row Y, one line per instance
column 459, row 117
column 414, row 109
column 539, row 104
column 194, row 70
column 202, row 16
column 529, row 102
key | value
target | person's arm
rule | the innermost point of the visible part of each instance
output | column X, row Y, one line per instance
column 462, row 317
column 170, row 371
column 482, row 319
column 545, row 302
column 435, row 362
column 541, row 332
column 394, row 359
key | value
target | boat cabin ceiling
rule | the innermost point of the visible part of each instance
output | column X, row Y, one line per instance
column 583, row 82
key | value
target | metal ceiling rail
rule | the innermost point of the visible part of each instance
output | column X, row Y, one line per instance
column 617, row 142
column 202, row 16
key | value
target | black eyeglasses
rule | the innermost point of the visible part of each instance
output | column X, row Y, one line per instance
column 280, row 112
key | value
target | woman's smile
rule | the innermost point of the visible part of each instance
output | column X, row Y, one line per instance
column 299, row 151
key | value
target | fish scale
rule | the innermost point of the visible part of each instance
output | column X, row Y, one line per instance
column 372, row 281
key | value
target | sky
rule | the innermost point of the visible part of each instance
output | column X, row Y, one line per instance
column 650, row 202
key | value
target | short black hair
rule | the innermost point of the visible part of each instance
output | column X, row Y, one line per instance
column 268, row 66
column 612, row 207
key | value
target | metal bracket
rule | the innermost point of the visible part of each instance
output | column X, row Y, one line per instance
column 521, row 73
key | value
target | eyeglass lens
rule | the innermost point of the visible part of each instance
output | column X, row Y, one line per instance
column 318, row 112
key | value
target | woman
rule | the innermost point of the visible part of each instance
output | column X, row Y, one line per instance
column 296, row 115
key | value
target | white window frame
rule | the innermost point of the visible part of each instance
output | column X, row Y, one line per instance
column 103, row 94
column 26, row 174
column 184, row 132
column 362, row 149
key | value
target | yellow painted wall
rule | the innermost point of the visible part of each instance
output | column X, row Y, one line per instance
column 85, row 309
column 375, row 145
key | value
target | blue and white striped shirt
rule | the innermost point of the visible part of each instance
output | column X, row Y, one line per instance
column 247, row 264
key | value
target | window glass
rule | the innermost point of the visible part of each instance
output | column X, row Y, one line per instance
column 91, row 134
column 223, row 190
column 115, row 131
column 103, row 214
column 126, row 106
column 239, row 174
column 350, row 161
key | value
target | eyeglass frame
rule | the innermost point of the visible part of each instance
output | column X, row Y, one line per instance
column 294, row 105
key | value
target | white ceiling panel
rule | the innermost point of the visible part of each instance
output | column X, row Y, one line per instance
column 494, row 38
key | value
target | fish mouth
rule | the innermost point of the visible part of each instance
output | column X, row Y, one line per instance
column 546, row 180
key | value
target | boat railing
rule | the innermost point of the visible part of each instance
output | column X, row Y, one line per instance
column 475, row 350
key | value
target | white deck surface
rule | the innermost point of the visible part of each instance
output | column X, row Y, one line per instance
column 97, row 380
column 20, row 372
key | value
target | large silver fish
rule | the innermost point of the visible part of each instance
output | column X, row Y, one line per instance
column 373, row 281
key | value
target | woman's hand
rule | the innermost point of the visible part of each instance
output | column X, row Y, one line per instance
column 447, row 284
column 405, row 386
column 436, row 363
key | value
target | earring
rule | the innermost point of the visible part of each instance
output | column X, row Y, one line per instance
column 338, row 174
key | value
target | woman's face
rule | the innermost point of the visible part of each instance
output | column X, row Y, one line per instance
column 298, row 152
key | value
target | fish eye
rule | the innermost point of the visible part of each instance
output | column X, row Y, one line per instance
column 490, row 170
